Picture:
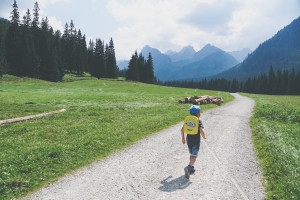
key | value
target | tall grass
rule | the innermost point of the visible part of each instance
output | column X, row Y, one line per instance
column 276, row 133
column 102, row 117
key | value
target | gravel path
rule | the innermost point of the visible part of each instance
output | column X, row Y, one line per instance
column 226, row 168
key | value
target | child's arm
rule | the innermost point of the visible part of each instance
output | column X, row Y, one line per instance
column 182, row 136
column 202, row 133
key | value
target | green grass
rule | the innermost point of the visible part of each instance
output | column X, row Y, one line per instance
column 276, row 134
column 102, row 117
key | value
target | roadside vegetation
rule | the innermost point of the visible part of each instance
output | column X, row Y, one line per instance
column 276, row 133
column 102, row 117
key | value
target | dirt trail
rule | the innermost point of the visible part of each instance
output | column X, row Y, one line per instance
column 226, row 168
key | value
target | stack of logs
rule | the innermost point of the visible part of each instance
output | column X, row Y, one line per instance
column 199, row 100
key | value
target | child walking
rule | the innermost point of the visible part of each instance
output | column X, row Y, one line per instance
column 193, row 140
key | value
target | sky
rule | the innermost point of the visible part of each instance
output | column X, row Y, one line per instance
column 167, row 24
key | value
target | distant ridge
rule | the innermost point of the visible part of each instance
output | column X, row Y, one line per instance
column 282, row 51
column 186, row 53
column 188, row 64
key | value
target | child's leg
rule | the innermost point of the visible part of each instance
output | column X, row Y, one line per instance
column 192, row 160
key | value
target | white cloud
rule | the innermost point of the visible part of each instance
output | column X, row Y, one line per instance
column 56, row 24
column 44, row 3
column 149, row 22
column 230, row 25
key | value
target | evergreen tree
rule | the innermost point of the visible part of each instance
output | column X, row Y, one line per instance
column 111, row 63
column 15, row 15
column 82, row 53
column 66, row 48
column 36, row 32
column 279, row 83
column 149, row 71
column 141, row 68
column 234, row 85
column 13, row 43
column 58, row 49
column 264, row 84
column 99, row 67
column 77, row 54
column 27, row 19
column 285, row 80
column 132, row 72
column 74, row 49
column 45, row 50
column 91, row 58
column 28, row 57
column 35, row 21
column 271, row 83
column 72, row 30
column 106, row 53
column 292, row 82
column 297, row 83
column 4, row 24
column 49, row 69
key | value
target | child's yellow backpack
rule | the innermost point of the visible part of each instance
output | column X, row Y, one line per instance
column 191, row 125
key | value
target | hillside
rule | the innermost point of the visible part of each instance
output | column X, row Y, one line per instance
column 282, row 51
column 101, row 118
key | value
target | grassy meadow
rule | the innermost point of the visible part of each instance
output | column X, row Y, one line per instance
column 102, row 117
column 276, row 134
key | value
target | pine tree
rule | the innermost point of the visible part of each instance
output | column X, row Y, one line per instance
column 4, row 24
column 49, row 69
column 279, row 83
column 99, row 67
column 15, row 15
column 132, row 72
column 234, row 85
column 36, row 31
column 111, row 63
column 141, row 65
column 297, row 83
column 149, row 71
column 77, row 56
column 66, row 48
column 27, row 19
column 28, row 58
column 35, row 21
column 291, row 82
column 285, row 81
column 13, row 44
column 91, row 58
column 83, row 54
column 58, row 47
column 106, row 54
column 271, row 83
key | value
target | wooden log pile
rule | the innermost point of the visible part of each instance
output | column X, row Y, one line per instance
column 200, row 100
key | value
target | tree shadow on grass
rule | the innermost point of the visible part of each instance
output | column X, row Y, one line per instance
column 171, row 185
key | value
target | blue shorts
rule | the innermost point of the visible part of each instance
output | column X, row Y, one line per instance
column 193, row 149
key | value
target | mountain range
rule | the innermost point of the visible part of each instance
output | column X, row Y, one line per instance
column 188, row 64
column 281, row 52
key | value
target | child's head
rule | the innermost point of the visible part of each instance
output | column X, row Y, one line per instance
column 194, row 110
